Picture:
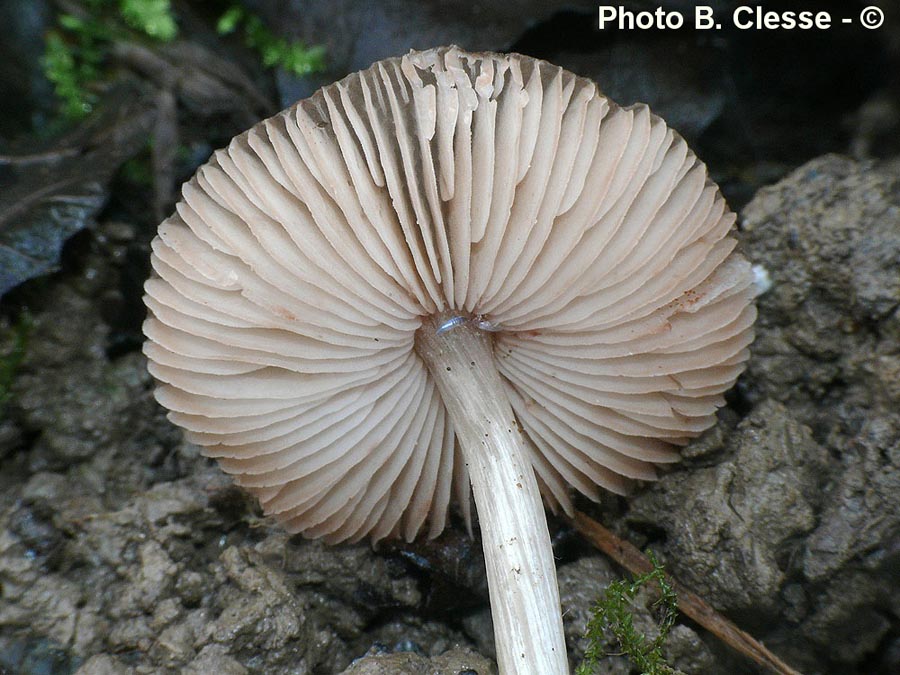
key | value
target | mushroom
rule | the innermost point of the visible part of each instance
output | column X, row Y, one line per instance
column 449, row 268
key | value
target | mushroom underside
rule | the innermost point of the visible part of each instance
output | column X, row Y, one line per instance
column 364, row 302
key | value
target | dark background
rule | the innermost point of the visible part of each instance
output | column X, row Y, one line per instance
column 753, row 104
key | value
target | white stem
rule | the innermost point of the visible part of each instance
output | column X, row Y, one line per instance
column 528, row 630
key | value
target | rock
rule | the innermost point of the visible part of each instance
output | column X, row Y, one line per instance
column 860, row 521
column 56, row 391
column 829, row 334
column 731, row 526
column 479, row 626
column 580, row 586
column 829, row 236
column 829, row 233
column 685, row 651
column 457, row 661
column 104, row 664
column 214, row 659
column 351, row 573
column 260, row 611
column 35, row 656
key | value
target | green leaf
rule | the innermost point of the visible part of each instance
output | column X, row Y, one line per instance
column 71, row 22
column 294, row 57
column 229, row 21
column 152, row 17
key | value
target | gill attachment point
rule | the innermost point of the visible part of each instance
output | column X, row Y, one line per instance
column 478, row 321
column 450, row 323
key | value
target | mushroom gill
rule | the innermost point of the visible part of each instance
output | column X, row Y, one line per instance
column 302, row 284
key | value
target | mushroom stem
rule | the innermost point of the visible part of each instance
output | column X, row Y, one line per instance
column 528, row 630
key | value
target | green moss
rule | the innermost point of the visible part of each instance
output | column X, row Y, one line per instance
column 614, row 613
column 274, row 51
column 77, row 49
column 66, row 72
column 230, row 20
column 153, row 18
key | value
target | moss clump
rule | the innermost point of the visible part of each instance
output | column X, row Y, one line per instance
column 614, row 613
column 76, row 50
column 153, row 18
column 274, row 51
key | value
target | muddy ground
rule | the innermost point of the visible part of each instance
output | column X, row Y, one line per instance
column 122, row 550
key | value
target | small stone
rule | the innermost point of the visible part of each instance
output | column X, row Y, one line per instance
column 214, row 659
column 104, row 664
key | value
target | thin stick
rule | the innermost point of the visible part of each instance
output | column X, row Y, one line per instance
column 630, row 557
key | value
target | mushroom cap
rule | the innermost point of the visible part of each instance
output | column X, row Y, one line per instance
column 302, row 258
